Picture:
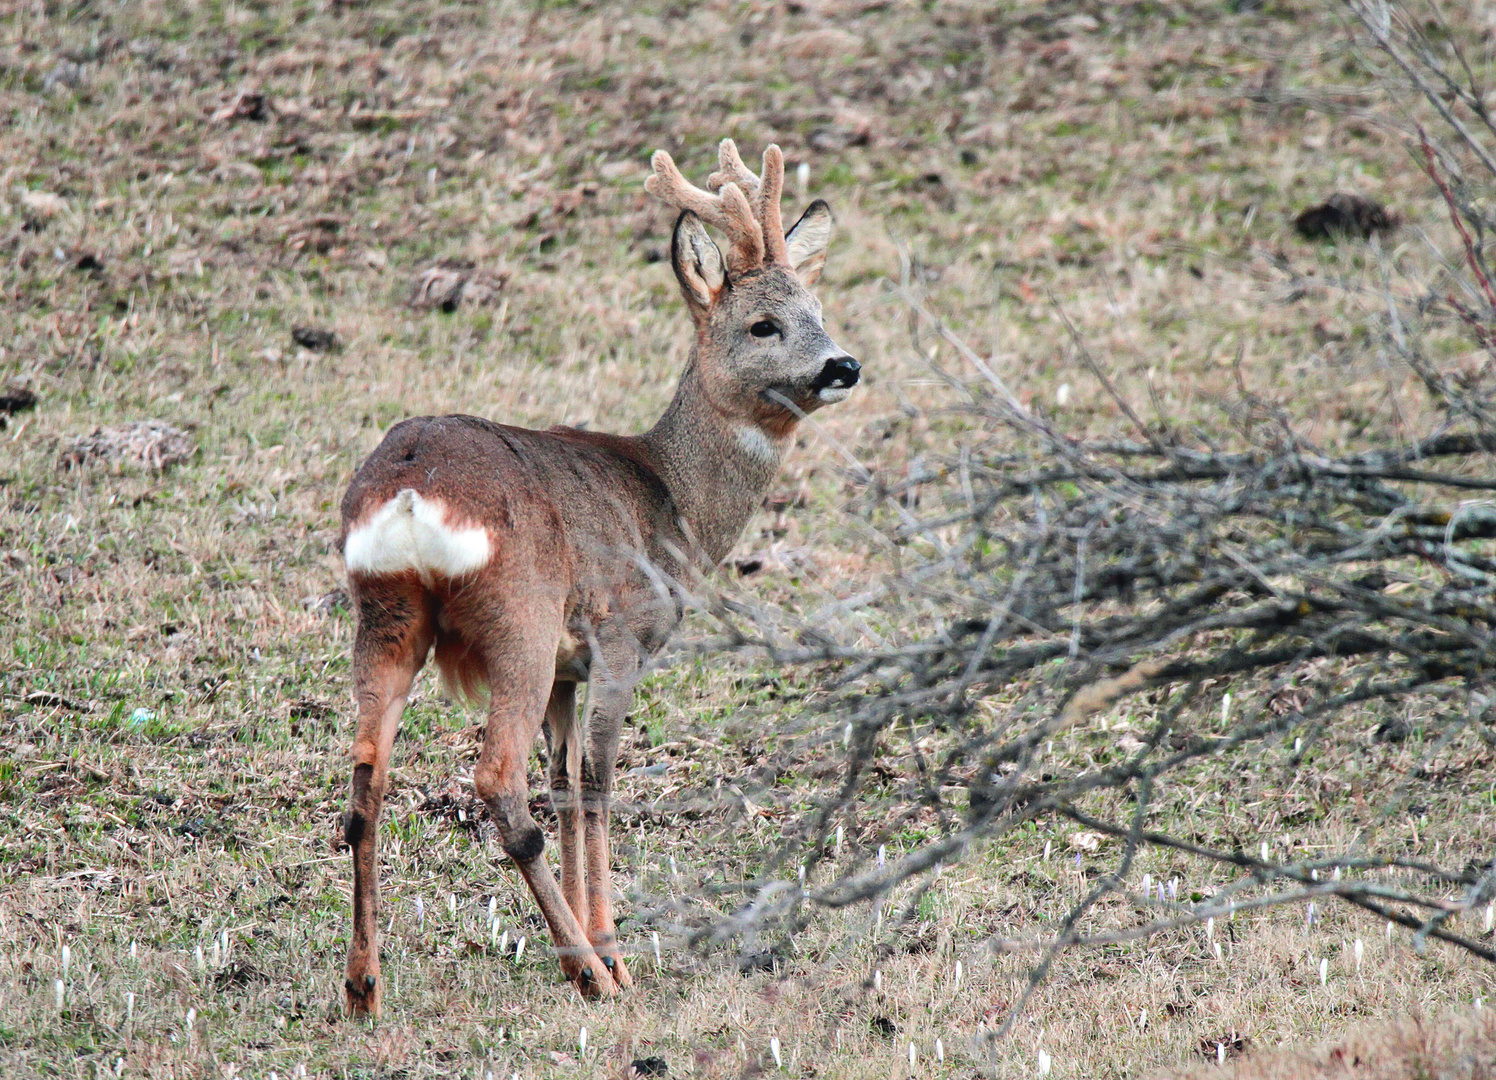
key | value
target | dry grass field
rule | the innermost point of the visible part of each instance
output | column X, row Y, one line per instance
column 184, row 185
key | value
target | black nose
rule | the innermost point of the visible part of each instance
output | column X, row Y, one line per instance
column 840, row 372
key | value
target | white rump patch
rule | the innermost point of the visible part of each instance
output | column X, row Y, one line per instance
column 410, row 532
column 757, row 443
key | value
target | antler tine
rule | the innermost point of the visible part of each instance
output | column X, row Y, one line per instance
column 731, row 170
column 672, row 188
column 775, row 251
column 747, row 238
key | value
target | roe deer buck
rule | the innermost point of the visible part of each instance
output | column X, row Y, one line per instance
column 533, row 560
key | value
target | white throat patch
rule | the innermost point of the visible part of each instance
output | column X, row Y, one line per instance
column 756, row 442
column 410, row 532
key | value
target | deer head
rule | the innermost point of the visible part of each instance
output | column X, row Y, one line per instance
column 762, row 353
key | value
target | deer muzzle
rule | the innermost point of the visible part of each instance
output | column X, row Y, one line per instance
column 836, row 379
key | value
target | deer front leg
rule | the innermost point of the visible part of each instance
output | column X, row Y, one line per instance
column 564, row 738
column 515, row 710
column 608, row 706
column 393, row 638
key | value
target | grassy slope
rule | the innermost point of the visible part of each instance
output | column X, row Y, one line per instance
column 1109, row 156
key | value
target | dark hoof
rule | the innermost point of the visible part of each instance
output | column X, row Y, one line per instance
column 620, row 974
column 592, row 980
column 362, row 1002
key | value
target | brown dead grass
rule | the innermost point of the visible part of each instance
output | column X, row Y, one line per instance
column 1440, row 1048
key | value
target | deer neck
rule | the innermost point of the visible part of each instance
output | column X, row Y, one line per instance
column 717, row 466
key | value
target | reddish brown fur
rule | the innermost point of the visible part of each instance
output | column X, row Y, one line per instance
column 585, row 534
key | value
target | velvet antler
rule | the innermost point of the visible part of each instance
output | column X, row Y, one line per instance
column 743, row 205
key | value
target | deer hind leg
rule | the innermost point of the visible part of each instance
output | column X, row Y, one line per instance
column 519, row 683
column 565, row 740
column 608, row 702
column 394, row 635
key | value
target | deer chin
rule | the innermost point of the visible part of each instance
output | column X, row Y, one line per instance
column 830, row 395
column 786, row 403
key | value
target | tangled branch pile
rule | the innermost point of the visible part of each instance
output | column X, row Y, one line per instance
column 1100, row 571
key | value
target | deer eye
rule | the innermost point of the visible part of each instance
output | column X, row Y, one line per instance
column 764, row 328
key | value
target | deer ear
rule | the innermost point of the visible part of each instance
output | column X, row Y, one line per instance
column 698, row 263
column 807, row 241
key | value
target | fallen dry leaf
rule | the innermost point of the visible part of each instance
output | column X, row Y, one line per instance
column 151, row 443
column 1086, row 841
column 43, row 203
